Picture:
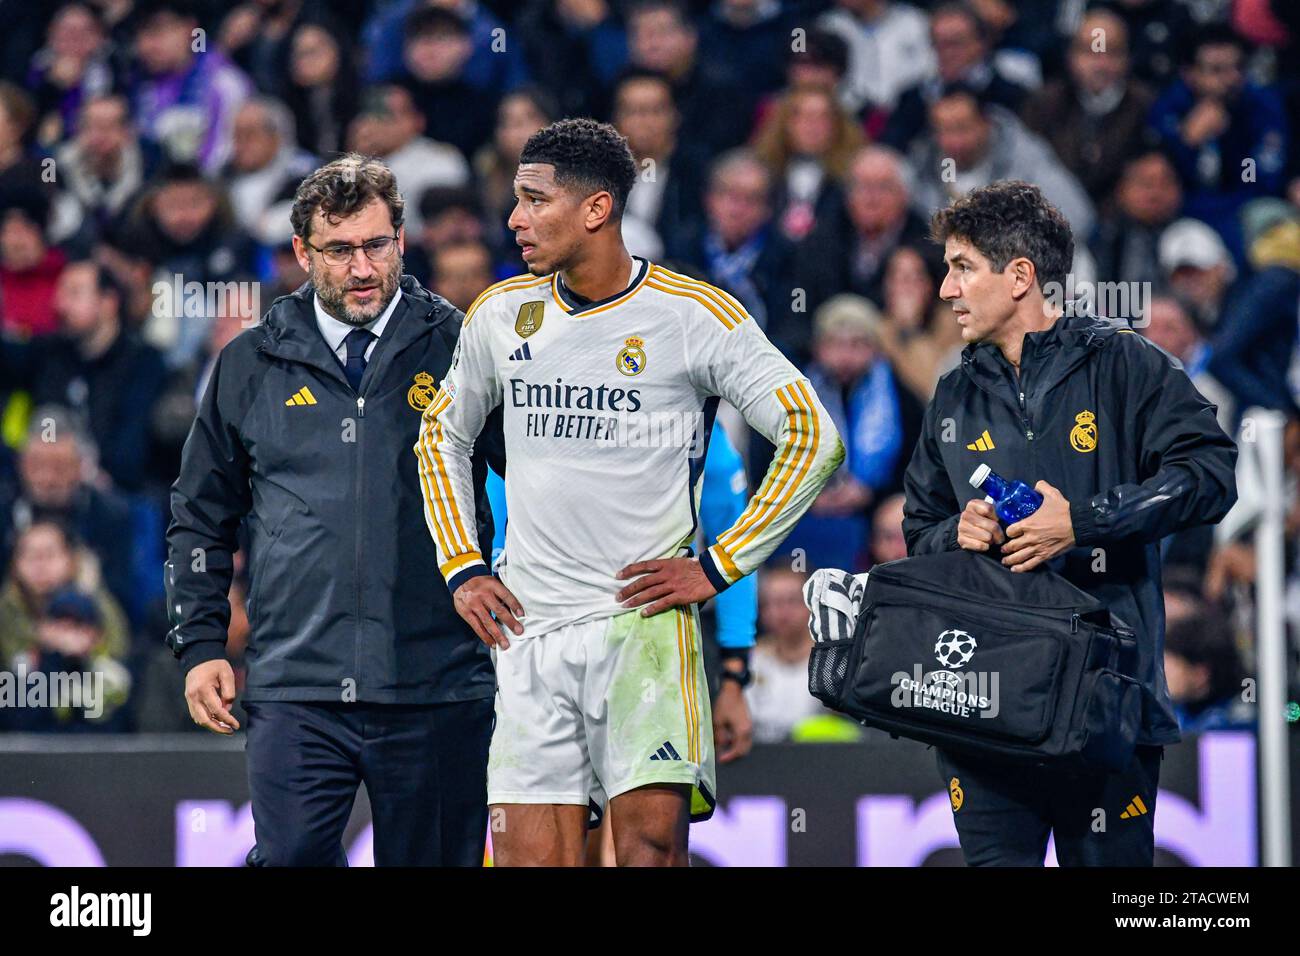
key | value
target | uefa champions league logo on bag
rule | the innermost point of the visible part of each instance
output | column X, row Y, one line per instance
column 945, row 690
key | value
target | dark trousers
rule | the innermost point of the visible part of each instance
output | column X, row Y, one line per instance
column 1005, row 812
column 424, row 767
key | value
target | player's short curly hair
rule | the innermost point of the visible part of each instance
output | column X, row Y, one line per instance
column 1006, row 220
column 587, row 156
column 342, row 187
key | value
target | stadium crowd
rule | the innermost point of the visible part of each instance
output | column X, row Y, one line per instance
column 791, row 153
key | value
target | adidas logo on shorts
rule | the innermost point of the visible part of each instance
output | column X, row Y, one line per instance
column 666, row 752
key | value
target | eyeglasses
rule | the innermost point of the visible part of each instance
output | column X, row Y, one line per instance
column 340, row 253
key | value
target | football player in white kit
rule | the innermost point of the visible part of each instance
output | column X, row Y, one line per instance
column 609, row 369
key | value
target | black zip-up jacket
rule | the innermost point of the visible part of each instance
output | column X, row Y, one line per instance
column 1116, row 425
column 346, row 602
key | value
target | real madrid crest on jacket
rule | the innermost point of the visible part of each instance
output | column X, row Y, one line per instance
column 1112, row 422
column 339, row 557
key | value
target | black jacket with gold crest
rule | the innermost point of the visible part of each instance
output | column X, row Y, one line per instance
column 1115, row 424
column 345, row 599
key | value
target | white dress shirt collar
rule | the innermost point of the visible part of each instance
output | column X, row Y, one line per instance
column 334, row 331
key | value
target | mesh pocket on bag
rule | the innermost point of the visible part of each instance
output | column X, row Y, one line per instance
column 828, row 669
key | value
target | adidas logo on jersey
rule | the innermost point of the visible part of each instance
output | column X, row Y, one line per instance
column 302, row 397
column 983, row 443
column 522, row 354
column 666, row 752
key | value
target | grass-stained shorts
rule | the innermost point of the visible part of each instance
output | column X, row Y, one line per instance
column 589, row 711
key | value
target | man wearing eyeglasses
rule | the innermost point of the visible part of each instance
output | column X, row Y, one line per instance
column 358, row 671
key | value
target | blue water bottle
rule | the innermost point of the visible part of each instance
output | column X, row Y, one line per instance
column 1012, row 500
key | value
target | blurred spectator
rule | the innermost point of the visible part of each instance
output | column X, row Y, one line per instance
column 258, row 36
column 918, row 334
column 95, row 367
column 1096, row 114
column 858, row 388
column 665, row 198
column 848, row 250
column 104, row 166
column 322, row 90
column 519, row 115
column 451, row 215
column 755, row 34
column 265, row 168
column 822, row 60
column 889, row 50
column 1206, row 679
column 963, row 54
column 778, row 697
column 496, row 62
column 1024, row 35
column 1197, row 268
column 1228, row 137
column 70, row 69
column 810, row 142
column 712, row 96
column 25, row 180
column 575, row 49
column 185, row 96
column 56, row 620
column 185, row 227
column 437, row 48
column 1169, row 326
column 29, row 265
column 391, row 128
column 1156, row 30
column 1146, row 200
column 461, row 271
column 739, row 250
column 1255, row 343
column 17, row 117
column 887, row 540
column 972, row 143
column 56, row 470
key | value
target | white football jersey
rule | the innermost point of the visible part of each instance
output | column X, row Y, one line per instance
column 607, row 406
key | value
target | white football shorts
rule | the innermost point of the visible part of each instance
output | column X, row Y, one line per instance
column 592, row 710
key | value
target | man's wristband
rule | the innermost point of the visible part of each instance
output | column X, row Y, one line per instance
column 741, row 675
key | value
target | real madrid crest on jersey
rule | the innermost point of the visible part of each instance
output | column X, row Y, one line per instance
column 420, row 395
column 1083, row 436
column 631, row 358
column 529, row 319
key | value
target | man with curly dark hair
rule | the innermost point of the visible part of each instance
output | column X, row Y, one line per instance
column 1124, row 451
column 609, row 370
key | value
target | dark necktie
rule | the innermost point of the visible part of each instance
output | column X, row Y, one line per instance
column 357, row 342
